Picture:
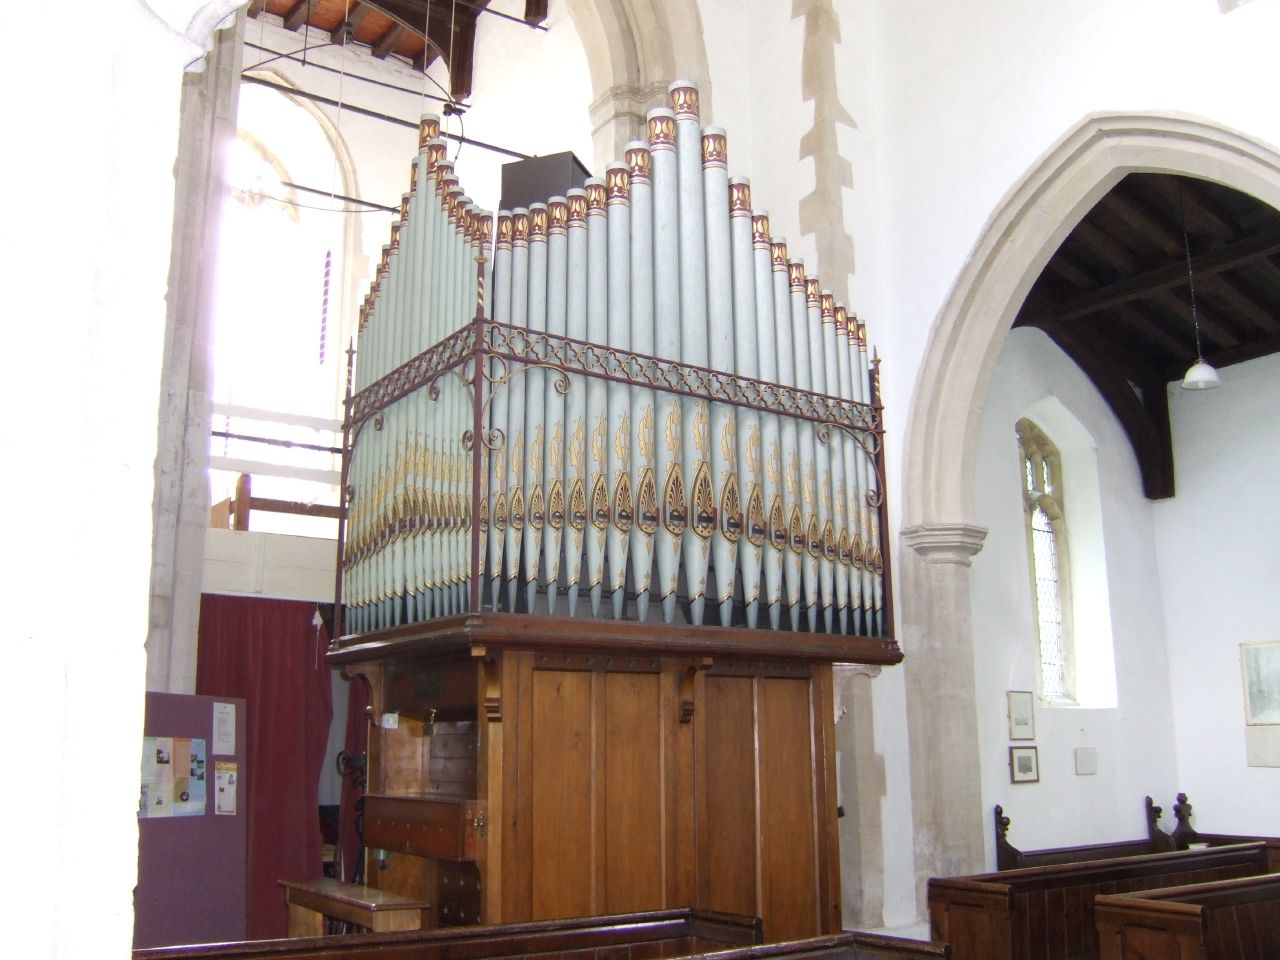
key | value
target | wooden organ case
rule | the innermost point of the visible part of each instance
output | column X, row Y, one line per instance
column 597, row 592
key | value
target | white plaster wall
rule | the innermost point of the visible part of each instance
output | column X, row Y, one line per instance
column 1219, row 567
column 247, row 563
column 1134, row 740
column 85, row 312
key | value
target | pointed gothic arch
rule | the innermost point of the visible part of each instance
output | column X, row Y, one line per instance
column 1016, row 242
column 938, row 476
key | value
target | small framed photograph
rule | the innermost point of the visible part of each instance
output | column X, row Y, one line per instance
column 1024, row 765
column 1261, row 665
column 1022, row 717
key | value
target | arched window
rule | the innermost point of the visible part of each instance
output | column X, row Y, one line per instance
column 1050, row 566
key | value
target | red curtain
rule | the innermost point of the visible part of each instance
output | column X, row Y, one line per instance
column 271, row 653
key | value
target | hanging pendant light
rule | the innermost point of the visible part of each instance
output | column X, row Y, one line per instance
column 1200, row 375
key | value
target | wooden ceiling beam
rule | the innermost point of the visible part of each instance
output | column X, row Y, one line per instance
column 386, row 43
column 1151, row 328
column 1139, row 215
column 297, row 15
column 255, row 8
column 1245, row 305
column 535, row 11
column 1146, row 284
column 1148, row 433
column 355, row 16
column 1186, row 193
column 1211, row 326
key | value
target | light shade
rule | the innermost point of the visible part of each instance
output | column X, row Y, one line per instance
column 1200, row 376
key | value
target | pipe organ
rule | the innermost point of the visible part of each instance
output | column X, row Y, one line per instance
column 613, row 502
column 634, row 405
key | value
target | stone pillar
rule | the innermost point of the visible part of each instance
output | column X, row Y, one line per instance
column 208, row 124
column 862, row 787
column 618, row 117
column 936, row 634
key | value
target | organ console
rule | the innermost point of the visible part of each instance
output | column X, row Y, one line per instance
column 613, row 504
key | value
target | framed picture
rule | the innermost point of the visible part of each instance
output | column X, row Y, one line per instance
column 1024, row 765
column 1022, row 717
column 1261, row 665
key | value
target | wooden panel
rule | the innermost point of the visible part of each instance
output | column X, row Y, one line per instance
column 788, row 837
column 727, row 825
column 633, row 809
column 827, row 829
column 403, row 751
column 560, row 751
column 424, row 826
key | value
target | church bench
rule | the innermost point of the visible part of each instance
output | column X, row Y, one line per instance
column 1009, row 857
column 1183, row 836
column 310, row 902
column 1046, row 912
column 1226, row 920
column 631, row 936
column 850, row 945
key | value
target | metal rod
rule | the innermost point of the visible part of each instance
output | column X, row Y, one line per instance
column 224, row 435
column 504, row 16
column 374, row 114
column 338, row 196
column 280, row 55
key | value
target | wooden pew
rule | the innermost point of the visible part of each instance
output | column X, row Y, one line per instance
column 631, row 936
column 1047, row 912
column 849, row 945
column 1226, row 920
column 1009, row 857
column 1183, row 835
column 634, row 936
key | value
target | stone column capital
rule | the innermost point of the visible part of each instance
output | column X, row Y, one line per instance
column 945, row 542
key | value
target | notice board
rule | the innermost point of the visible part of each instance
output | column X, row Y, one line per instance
column 192, row 851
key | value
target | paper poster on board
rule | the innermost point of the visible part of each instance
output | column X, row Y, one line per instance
column 225, row 785
column 173, row 777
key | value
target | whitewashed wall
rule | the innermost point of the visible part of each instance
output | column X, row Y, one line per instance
column 1219, row 569
column 1134, row 739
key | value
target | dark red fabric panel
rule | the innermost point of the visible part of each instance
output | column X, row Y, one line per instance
column 355, row 743
column 271, row 653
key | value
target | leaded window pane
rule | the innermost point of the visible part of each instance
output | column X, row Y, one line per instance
column 1048, row 605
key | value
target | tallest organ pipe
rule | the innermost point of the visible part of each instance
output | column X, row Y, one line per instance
column 696, row 426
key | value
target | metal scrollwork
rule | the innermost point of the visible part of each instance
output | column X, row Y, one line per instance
column 495, row 439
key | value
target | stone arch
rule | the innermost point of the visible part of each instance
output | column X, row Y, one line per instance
column 634, row 49
column 1017, row 241
column 938, row 472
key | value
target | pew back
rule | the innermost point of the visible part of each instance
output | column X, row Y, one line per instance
column 1226, row 920
column 842, row 946
column 1009, row 857
column 633, row 936
column 1047, row 912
